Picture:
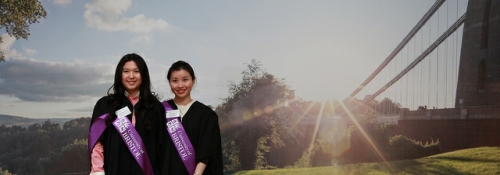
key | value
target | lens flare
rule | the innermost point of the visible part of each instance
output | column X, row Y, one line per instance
column 363, row 132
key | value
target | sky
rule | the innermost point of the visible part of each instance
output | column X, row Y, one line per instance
column 322, row 49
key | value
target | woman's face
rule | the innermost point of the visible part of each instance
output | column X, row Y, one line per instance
column 131, row 77
column 181, row 83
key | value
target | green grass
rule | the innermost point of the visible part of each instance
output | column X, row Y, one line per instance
column 483, row 160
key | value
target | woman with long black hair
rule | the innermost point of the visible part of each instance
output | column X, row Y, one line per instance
column 128, row 124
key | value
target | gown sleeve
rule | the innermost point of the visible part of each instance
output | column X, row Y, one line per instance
column 210, row 148
column 97, row 154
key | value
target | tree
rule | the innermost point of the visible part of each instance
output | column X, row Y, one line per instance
column 253, row 118
column 45, row 148
column 16, row 17
column 72, row 158
column 48, row 126
column 387, row 106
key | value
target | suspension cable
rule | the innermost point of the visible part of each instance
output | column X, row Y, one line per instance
column 431, row 48
column 415, row 29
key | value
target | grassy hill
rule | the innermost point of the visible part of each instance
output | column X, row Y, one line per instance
column 10, row 120
column 483, row 160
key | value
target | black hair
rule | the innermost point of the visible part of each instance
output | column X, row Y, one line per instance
column 117, row 97
column 181, row 65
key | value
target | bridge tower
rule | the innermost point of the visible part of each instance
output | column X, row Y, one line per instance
column 479, row 69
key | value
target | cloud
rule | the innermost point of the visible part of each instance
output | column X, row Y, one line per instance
column 139, row 40
column 61, row 2
column 83, row 109
column 7, row 42
column 30, row 52
column 107, row 15
column 6, row 105
column 42, row 81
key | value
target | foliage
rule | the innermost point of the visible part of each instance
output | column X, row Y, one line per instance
column 11, row 130
column 387, row 106
column 380, row 142
column 45, row 149
column 230, row 154
column 322, row 153
column 361, row 108
column 72, row 158
column 261, row 151
column 305, row 160
column 406, row 148
column 371, row 141
column 255, row 119
column 4, row 172
column 264, row 126
column 16, row 17
column 311, row 155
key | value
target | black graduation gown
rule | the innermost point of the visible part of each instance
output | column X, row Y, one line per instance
column 201, row 124
column 117, row 158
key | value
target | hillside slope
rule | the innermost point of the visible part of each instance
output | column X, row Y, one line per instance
column 10, row 120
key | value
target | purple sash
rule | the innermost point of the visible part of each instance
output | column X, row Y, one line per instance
column 129, row 135
column 180, row 139
column 96, row 130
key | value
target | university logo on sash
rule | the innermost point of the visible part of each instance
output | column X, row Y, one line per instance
column 180, row 138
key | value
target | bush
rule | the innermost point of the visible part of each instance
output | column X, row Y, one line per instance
column 406, row 148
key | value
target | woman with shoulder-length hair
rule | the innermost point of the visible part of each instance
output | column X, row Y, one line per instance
column 193, row 143
column 128, row 124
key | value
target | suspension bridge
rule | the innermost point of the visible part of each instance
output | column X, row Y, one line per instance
column 449, row 60
column 445, row 76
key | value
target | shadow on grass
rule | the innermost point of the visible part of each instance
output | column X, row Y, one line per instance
column 464, row 159
column 234, row 172
column 416, row 167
